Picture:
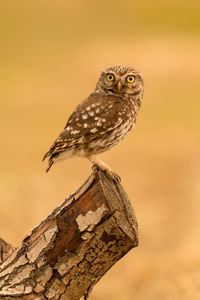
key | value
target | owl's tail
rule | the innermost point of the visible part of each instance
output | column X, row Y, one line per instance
column 51, row 162
column 52, row 159
column 46, row 155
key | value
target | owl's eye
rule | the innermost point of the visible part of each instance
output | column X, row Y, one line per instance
column 110, row 77
column 130, row 78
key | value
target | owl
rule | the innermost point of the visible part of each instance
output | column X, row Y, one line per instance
column 102, row 120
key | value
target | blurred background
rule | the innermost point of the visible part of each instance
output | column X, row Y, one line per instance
column 51, row 55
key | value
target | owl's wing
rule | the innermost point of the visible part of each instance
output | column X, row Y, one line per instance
column 94, row 117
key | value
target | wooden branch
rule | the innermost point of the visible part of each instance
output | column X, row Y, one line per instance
column 5, row 250
column 68, row 253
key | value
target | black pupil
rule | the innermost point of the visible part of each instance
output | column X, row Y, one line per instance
column 110, row 77
column 130, row 78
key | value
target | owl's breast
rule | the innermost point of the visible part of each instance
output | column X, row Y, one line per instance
column 108, row 139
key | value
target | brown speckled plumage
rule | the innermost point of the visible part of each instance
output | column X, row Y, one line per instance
column 102, row 120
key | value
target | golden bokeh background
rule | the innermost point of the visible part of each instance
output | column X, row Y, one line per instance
column 51, row 54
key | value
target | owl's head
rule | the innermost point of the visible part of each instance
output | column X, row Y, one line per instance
column 121, row 80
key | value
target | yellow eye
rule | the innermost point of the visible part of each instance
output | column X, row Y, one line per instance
column 110, row 77
column 130, row 79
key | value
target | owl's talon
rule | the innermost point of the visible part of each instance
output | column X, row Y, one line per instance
column 100, row 165
column 95, row 167
column 109, row 173
column 112, row 175
column 117, row 178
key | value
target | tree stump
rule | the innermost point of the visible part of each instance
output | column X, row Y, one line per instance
column 69, row 251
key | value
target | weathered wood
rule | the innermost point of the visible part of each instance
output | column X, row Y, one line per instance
column 5, row 250
column 74, row 246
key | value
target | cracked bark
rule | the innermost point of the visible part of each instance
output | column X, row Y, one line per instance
column 69, row 251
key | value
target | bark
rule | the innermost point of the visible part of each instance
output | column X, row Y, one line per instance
column 68, row 253
column 5, row 250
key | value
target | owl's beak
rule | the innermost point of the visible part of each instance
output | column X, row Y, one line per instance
column 119, row 86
